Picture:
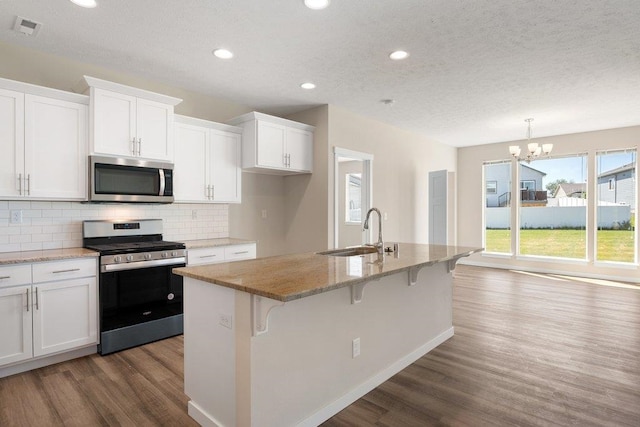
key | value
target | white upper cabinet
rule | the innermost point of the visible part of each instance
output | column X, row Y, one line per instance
column 274, row 145
column 43, row 143
column 207, row 162
column 130, row 122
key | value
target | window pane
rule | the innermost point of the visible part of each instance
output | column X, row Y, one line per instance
column 553, row 207
column 354, row 197
column 497, row 212
column 616, row 207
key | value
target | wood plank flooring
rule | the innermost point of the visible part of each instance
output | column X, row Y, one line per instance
column 528, row 350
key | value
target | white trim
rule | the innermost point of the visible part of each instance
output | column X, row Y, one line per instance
column 43, row 91
column 373, row 382
column 254, row 115
column 193, row 121
column 201, row 416
column 131, row 91
column 581, row 273
column 343, row 152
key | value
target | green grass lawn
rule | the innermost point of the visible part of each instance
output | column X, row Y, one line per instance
column 613, row 245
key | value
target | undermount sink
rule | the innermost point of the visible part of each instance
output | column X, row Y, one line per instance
column 352, row 251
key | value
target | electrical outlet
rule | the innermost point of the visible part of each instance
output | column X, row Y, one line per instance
column 194, row 214
column 355, row 348
column 226, row 320
column 264, row 214
column 386, row 217
column 16, row 217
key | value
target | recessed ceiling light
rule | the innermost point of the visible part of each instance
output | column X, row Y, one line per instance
column 223, row 53
column 85, row 3
column 398, row 54
column 308, row 85
column 316, row 4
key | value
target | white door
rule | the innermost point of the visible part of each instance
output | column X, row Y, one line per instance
column 299, row 148
column 114, row 123
column 15, row 325
column 438, row 207
column 11, row 142
column 225, row 172
column 270, row 141
column 190, row 167
column 55, row 148
column 154, row 130
column 64, row 315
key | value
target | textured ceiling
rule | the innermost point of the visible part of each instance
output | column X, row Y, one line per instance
column 476, row 70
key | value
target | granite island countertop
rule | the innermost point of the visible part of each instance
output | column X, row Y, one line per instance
column 289, row 277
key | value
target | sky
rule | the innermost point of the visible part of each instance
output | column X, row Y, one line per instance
column 575, row 168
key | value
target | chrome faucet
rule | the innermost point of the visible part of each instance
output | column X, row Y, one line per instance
column 380, row 245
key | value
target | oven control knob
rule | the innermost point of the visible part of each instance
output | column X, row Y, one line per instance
column 174, row 253
column 129, row 258
column 117, row 258
column 170, row 296
column 147, row 256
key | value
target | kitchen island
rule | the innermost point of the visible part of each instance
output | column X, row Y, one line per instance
column 293, row 339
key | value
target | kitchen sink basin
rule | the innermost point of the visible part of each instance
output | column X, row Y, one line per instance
column 352, row 251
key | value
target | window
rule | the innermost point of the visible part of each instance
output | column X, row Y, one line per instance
column 353, row 194
column 554, row 227
column 616, row 206
column 528, row 185
column 497, row 211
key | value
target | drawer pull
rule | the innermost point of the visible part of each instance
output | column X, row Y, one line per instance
column 66, row 271
column 241, row 252
column 37, row 307
column 5, row 277
column 27, row 299
column 208, row 256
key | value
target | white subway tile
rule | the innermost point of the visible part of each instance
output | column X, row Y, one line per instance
column 20, row 238
column 19, row 205
column 14, row 247
column 31, row 246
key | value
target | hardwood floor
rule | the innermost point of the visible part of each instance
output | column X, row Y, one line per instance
column 528, row 350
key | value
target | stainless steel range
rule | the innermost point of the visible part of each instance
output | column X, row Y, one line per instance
column 140, row 298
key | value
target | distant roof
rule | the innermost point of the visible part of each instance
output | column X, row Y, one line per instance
column 624, row 168
column 536, row 170
column 571, row 188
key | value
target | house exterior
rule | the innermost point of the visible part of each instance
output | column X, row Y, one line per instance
column 618, row 186
column 571, row 189
column 498, row 184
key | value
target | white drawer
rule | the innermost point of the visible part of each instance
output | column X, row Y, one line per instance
column 67, row 269
column 13, row 275
column 205, row 255
column 238, row 252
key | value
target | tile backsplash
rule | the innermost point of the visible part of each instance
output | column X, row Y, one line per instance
column 55, row 225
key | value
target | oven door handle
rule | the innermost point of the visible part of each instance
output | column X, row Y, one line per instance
column 178, row 262
column 162, row 181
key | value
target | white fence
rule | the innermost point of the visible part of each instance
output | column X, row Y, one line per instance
column 557, row 217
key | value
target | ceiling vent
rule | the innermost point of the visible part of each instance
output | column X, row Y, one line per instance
column 27, row 26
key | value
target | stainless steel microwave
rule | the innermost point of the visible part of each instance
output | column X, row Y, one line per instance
column 114, row 179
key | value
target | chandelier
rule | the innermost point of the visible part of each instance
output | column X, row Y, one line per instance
column 534, row 150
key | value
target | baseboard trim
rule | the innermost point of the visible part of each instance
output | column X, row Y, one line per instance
column 330, row 410
column 29, row 365
column 201, row 416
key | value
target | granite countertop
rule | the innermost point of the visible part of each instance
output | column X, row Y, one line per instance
column 289, row 277
column 209, row 243
column 45, row 255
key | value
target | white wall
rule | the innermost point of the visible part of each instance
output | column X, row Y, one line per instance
column 470, row 199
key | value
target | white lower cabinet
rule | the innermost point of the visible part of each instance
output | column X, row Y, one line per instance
column 217, row 254
column 53, row 309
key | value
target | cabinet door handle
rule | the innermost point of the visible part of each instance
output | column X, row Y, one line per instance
column 133, row 146
column 28, row 192
column 288, row 160
column 241, row 252
column 20, row 184
column 27, row 292
column 213, row 192
column 5, row 277
column 66, row 271
column 37, row 306
column 139, row 146
column 285, row 160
